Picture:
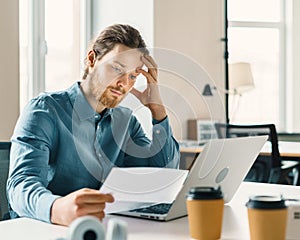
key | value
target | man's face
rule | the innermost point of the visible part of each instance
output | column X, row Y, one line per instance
column 114, row 75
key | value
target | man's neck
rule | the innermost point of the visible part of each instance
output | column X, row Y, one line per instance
column 96, row 105
column 100, row 108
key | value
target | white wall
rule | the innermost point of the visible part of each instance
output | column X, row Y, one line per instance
column 9, row 67
column 296, row 66
column 193, row 31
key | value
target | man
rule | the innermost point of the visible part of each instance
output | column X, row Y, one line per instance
column 65, row 143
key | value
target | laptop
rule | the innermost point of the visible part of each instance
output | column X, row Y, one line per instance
column 223, row 162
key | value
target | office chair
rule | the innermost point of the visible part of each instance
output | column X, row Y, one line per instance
column 4, row 168
column 269, row 169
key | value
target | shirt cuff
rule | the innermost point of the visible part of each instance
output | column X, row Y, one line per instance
column 44, row 207
column 154, row 121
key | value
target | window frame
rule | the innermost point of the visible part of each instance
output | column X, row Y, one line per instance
column 37, row 44
column 282, row 71
column 37, row 48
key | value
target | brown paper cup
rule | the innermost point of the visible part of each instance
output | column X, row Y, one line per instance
column 268, row 219
column 267, row 224
column 205, row 218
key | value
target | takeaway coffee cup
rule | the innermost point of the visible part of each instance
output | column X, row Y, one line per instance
column 205, row 212
column 267, row 216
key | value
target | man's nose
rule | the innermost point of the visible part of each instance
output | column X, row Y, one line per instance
column 123, row 80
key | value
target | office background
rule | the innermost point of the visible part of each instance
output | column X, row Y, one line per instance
column 194, row 30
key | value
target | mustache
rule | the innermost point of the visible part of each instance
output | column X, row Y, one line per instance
column 119, row 89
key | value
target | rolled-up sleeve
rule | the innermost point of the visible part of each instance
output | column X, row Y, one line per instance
column 163, row 137
column 30, row 153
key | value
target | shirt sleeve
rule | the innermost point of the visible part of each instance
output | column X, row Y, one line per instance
column 30, row 153
column 162, row 151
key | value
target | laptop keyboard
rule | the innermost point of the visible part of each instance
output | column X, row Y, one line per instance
column 161, row 208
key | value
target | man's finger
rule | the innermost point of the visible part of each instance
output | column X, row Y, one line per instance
column 148, row 75
column 85, row 209
column 135, row 92
column 94, row 197
column 149, row 61
column 99, row 215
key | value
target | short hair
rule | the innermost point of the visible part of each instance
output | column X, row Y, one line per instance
column 112, row 35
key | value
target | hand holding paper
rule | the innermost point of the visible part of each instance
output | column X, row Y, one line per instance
column 138, row 187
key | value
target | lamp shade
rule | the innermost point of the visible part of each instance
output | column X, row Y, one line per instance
column 240, row 77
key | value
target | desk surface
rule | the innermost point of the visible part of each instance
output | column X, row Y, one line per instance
column 286, row 149
column 235, row 222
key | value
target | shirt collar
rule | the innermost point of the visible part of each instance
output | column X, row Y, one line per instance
column 80, row 104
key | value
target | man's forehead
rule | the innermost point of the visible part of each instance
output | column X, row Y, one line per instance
column 128, row 58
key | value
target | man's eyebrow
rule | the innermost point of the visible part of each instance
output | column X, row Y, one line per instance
column 117, row 62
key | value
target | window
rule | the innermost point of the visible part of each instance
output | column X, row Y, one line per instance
column 62, row 60
column 52, row 39
column 256, row 35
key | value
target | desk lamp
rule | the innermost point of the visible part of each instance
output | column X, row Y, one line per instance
column 240, row 81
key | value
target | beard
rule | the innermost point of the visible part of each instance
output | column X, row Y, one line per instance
column 103, row 93
column 110, row 101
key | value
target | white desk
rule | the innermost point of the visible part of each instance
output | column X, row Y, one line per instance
column 235, row 222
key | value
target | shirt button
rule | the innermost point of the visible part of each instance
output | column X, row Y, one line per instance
column 157, row 131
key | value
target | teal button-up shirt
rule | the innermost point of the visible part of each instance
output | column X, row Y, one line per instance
column 56, row 149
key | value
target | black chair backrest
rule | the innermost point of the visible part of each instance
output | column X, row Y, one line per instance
column 264, row 166
column 232, row 130
column 4, row 168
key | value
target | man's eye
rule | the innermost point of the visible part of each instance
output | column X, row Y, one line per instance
column 117, row 70
column 132, row 77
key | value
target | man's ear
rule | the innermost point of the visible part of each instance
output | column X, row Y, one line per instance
column 91, row 58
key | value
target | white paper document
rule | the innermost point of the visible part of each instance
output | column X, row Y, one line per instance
column 142, row 186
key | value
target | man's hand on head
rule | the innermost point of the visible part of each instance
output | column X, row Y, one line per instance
column 150, row 97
